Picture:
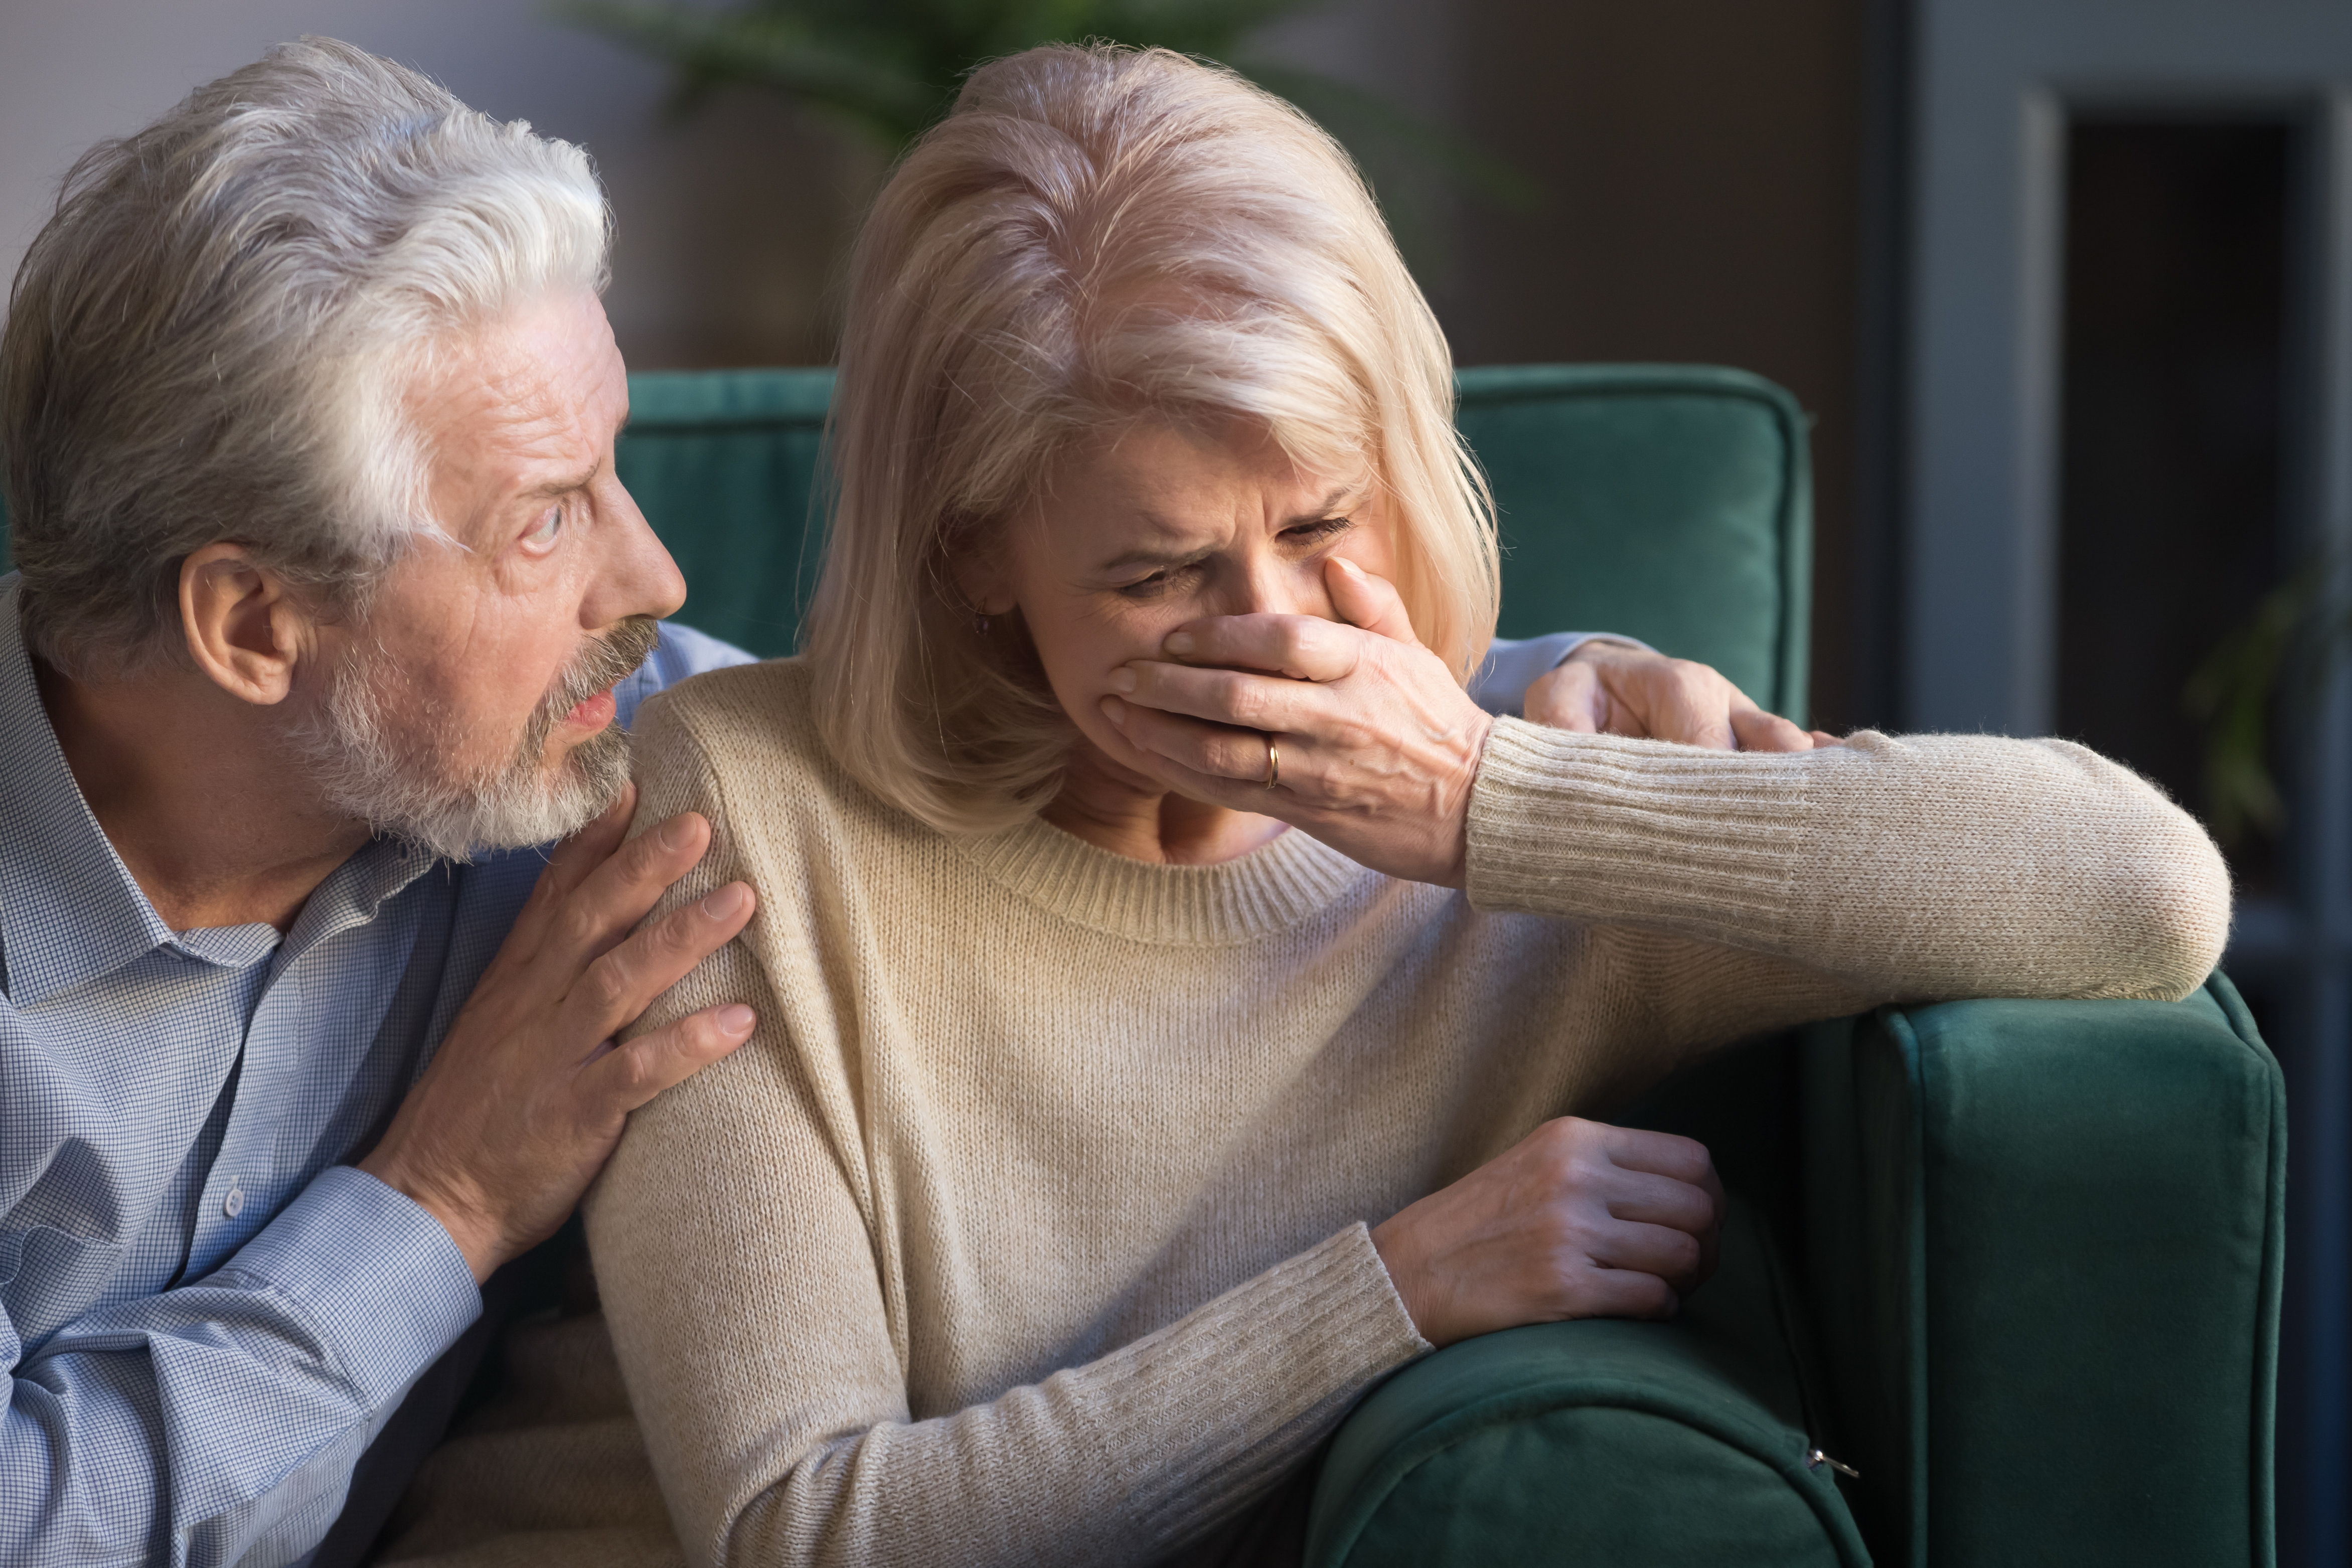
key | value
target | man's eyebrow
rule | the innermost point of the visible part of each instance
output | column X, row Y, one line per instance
column 565, row 485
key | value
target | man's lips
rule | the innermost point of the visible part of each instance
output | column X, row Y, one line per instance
column 591, row 713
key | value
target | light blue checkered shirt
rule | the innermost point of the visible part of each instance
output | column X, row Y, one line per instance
column 206, row 1315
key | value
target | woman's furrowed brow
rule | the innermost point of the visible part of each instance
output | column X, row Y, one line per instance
column 1129, row 560
column 1149, row 556
column 1339, row 499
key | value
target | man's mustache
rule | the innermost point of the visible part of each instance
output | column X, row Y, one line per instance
column 607, row 661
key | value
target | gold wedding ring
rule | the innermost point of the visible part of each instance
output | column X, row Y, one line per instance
column 1273, row 762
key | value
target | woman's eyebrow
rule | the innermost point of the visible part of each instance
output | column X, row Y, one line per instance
column 1128, row 561
column 1328, row 505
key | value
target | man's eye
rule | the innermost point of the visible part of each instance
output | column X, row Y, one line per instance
column 548, row 527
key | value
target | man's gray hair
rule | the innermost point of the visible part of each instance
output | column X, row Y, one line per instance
column 216, row 335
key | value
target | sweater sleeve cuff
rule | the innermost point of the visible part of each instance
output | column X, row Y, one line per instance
column 1261, row 1374
column 1606, row 829
column 374, row 1273
column 1343, row 1289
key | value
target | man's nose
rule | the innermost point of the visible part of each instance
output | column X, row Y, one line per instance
column 636, row 575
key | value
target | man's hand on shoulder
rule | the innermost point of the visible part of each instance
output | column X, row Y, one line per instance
column 1610, row 688
column 528, row 1095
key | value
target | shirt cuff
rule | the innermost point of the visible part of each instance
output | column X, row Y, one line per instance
column 1512, row 665
column 372, row 1269
column 1578, row 639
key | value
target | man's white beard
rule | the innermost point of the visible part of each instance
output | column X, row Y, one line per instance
column 394, row 776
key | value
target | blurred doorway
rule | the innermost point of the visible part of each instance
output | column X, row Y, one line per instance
column 2119, row 241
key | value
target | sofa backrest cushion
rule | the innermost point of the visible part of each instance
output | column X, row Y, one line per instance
column 1670, row 502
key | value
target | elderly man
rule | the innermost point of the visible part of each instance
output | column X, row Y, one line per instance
column 328, row 587
column 331, row 605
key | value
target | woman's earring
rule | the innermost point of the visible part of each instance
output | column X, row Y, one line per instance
column 979, row 624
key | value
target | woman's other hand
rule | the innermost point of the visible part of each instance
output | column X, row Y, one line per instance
column 1369, row 742
column 1608, row 689
column 1579, row 1220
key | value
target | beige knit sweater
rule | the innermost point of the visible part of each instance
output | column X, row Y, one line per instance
column 1030, row 1227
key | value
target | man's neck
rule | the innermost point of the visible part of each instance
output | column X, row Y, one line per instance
column 191, row 787
column 1142, row 819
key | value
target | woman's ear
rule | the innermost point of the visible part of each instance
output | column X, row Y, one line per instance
column 978, row 572
column 242, row 627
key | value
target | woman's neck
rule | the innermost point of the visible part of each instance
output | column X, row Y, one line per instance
column 1130, row 814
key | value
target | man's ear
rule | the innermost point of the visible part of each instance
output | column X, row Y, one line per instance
column 242, row 627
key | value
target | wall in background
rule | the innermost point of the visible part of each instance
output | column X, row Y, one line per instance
column 1700, row 155
column 1703, row 161
column 728, row 224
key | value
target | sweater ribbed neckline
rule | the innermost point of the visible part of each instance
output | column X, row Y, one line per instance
column 1275, row 888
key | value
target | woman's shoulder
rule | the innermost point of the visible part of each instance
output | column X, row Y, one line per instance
column 744, row 733
column 745, row 710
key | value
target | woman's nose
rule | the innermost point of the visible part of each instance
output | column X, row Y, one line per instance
column 1276, row 587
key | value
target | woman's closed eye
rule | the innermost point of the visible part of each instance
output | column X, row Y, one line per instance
column 1317, row 531
column 1163, row 582
column 1299, row 538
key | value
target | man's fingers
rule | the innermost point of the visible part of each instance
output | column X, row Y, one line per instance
column 1369, row 601
column 1691, row 710
column 617, row 894
column 1756, row 730
column 623, row 983
column 1568, row 697
column 570, row 863
column 1303, row 648
column 627, row 1077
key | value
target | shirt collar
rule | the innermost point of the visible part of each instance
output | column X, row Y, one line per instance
column 70, row 910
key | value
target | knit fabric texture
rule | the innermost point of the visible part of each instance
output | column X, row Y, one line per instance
column 1031, row 1225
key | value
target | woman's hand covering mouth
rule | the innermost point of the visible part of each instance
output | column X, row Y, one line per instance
column 1350, row 730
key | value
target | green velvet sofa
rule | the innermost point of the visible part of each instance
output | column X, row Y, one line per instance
column 2001, row 1280
column 2014, row 1265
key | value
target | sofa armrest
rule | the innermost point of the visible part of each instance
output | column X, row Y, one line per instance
column 1596, row 1443
column 2041, row 1246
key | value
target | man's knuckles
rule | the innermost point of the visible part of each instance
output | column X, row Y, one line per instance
column 611, row 990
column 635, row 1073
column 581, row 924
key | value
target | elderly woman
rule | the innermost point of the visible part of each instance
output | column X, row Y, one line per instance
column 1174, row 994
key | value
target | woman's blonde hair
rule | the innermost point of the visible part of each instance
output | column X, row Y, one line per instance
column 1098, row 235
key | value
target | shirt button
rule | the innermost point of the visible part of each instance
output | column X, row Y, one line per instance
column 234, row 1204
